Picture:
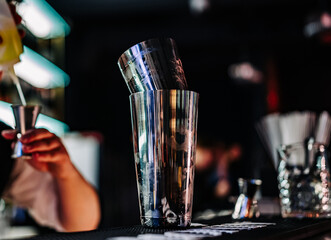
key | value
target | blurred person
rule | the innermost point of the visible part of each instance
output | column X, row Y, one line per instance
column 48, row 185
column 213, row 183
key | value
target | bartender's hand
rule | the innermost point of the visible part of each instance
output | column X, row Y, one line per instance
column 79, row 207
column 47, row 149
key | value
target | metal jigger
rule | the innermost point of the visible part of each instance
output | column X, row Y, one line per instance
column 25, row 119
column 246, row 205
column 153, row 64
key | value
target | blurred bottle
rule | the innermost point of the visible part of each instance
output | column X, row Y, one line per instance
column 10, row 41
column 10, row 46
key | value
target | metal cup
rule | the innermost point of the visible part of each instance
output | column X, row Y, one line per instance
column 246, row 205
column 164, row 127
column 153, row 64
column 25, row 119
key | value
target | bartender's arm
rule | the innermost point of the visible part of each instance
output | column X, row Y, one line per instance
column 78, row 203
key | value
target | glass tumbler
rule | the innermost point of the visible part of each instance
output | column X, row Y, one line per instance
column 304, row 180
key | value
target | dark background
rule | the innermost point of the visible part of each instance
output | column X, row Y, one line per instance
column 267, row 33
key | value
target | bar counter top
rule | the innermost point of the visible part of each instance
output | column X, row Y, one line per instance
column 273, row 228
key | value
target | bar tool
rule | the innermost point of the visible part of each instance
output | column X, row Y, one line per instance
column 25, row 119
column 246, row 205
column 164, row 128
